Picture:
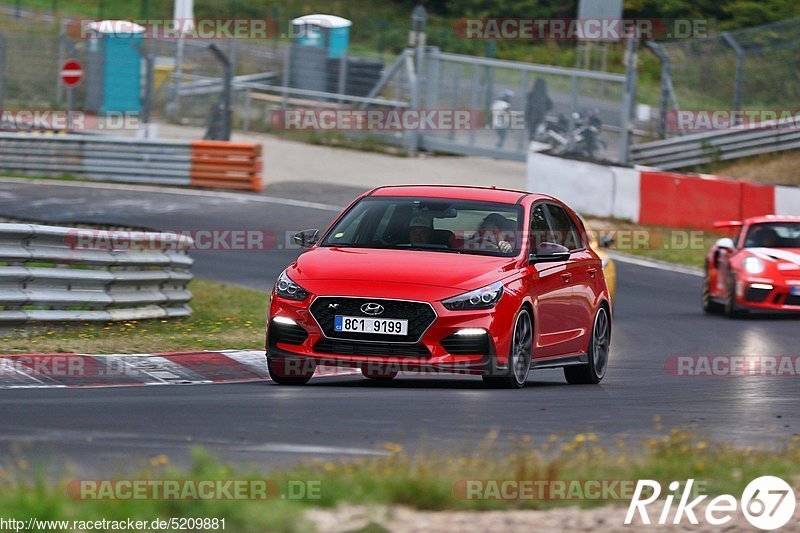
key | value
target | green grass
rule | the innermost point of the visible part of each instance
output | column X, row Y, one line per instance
column 681, row 246
column 676, row 246
column 224, row 317
column 428, row 481
column 24, row 495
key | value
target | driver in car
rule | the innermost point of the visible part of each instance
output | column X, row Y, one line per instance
column 764, row 237
column 420, row 230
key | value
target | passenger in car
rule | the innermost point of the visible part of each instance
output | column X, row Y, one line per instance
column 497, row 230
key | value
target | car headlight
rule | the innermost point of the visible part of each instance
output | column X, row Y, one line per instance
column 753, row 265
column 286, row 288
column 483, row 298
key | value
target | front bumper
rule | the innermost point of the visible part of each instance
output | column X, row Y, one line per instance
column 438, row 348
column 755, row 293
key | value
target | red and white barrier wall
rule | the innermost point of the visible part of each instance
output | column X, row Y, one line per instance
column 649, row 196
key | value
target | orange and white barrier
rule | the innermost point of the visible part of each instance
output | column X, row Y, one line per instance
column 226, row 165
column 222, row 164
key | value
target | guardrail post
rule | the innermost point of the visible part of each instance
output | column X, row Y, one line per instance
column 222, row 131
column 419, row 19
column 737, row 83
column 629, row 100
column 147, row 101
column 667, row 90
column 2, row 71
column 432, row 89
column 286, row 74
column 413, row 136
column 342, row 84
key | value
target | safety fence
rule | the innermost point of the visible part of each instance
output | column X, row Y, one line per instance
column 719, row 145
column 749, row 68
column 650, row 196
column 61, row 274
column 197, row 163
column 565, row 95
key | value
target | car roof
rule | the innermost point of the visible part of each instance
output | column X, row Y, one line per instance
column 459, row 192
column 772, row 218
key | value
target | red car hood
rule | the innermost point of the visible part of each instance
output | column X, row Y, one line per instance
column 437, row 269
column 787, row 260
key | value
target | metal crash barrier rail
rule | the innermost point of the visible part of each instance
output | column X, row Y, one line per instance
column 61, row 274
column 718, row 145
column 220, row 164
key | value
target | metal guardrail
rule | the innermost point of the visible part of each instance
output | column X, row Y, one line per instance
column 108, row 158
column 61, row 274
column 711, row 146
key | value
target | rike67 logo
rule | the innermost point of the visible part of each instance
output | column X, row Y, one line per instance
column 768, row 503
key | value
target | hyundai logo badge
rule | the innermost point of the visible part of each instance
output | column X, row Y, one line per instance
column 372, row 309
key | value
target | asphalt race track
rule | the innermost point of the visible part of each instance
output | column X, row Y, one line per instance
column 657, row 315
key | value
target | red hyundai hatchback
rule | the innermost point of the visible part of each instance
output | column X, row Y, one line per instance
column 443, row 279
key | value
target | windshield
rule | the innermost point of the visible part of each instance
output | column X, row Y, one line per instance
column 773, row 235
column 439, row 225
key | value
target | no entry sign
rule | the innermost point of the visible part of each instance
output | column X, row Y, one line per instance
column 71, row 73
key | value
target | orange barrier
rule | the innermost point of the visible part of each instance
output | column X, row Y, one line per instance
column 227, row 165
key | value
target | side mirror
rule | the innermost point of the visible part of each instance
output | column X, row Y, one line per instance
column 549, row 252
column 725, row 244
column 306, row 238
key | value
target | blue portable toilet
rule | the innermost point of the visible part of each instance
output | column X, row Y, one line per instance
column 114, row 77
column 319, row 44
column 329, row 32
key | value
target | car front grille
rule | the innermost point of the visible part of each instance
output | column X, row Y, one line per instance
column 792, row 300
column 371, row 348
column 420, row 316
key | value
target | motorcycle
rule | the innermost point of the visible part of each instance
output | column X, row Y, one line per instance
column 582, row 139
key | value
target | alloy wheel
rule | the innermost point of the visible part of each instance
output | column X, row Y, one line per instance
column 601, row 342
column 521, row 347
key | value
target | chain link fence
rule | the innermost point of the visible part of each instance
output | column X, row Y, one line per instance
column 276, row 74
column 565, row 99
column 754, row 68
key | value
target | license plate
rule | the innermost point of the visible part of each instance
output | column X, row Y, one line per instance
column 795, row 291
column 377, row 326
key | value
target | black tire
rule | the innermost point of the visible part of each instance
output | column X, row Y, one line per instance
column 710, row 306
column 594, row 371
column 519, row 358
column 286, row 371
column 732, row 310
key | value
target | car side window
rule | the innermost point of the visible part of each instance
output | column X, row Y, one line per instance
column 540, row 227
column 565, row 232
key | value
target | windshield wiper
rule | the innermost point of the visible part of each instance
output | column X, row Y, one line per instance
column 423, row 248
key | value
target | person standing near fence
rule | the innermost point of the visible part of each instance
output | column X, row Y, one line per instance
column 501, row 116
column 537, row 105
